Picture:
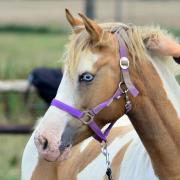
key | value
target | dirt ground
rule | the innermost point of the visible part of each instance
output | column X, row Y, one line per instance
column 52, row 12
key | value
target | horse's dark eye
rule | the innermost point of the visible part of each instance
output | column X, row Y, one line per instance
column 86, row 77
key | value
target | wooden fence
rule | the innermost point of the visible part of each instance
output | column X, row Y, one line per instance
column 19, row 86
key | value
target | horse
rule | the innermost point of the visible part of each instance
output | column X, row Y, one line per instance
column 110, row 70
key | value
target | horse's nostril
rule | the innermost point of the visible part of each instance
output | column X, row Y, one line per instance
column 45, row 145
column 68, row 145
column 62, row 147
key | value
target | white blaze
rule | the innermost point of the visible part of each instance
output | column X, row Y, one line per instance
column 29, row 159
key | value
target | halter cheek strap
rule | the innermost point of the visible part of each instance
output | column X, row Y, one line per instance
column 87, row 117
column 124, row 64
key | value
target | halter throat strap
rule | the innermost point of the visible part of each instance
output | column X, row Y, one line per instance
column 87, row 117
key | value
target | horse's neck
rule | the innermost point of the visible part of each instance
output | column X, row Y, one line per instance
column 156, row 119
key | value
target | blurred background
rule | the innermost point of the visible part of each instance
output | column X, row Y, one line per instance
column 33, row 34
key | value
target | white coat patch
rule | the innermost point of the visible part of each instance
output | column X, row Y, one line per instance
column 29, row 160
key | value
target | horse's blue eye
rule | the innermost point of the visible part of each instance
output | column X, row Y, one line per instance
column 86, row 77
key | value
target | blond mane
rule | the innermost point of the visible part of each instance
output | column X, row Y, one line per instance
column 135, row 38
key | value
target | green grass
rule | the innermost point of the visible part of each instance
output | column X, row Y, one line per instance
column 20, row 53
column 10, row 156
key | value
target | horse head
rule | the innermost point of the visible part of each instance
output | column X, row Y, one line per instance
column 92, row 75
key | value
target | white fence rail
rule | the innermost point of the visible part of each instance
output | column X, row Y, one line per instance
column 15, row 86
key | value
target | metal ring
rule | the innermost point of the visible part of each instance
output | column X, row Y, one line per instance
column 124, row 63
column 125, row 89
column 87, row 118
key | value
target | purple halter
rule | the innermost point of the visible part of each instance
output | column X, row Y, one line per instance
column 87, row 117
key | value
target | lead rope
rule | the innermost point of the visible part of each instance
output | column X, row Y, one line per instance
column 105, row 152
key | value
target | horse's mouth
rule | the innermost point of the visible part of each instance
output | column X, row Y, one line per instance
column 61, row 156
column 65, row 153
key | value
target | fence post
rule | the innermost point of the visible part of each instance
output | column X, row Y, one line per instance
column 90, row 8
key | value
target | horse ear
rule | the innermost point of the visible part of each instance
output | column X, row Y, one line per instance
column 163, row 45
column 74, row 22
column 92, row 28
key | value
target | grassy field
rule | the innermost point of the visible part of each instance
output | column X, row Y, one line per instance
column 10, row 156
column 19, row 54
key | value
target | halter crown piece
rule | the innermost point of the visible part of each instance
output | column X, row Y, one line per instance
column 87, row 117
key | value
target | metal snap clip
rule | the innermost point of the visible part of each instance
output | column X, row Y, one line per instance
column 123, row 88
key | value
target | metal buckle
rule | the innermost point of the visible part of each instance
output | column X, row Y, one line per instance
column 87, row 118
column 124, row 63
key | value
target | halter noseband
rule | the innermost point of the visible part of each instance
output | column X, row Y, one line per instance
column 87, row 117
